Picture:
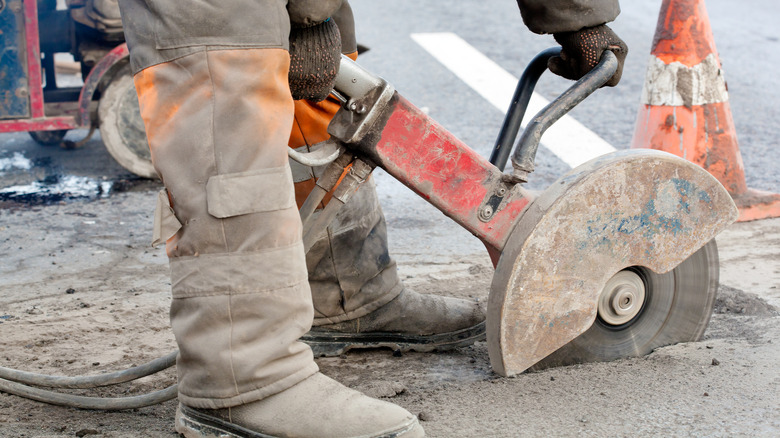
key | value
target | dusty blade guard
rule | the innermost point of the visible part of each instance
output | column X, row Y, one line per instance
column 629, row 208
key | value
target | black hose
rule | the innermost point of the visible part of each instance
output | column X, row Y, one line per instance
column 82, row 402
column 86, row 382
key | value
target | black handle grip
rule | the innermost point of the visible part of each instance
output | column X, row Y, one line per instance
column 525, row 152
column 516, row 112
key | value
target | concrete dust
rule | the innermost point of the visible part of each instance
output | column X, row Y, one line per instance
column 83, row 293
column 731, row 300
column 750, row 258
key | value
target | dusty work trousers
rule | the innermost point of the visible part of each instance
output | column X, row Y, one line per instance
column 218, row 122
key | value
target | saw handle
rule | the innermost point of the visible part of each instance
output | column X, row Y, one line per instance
column 525, row 152
column 514, row 116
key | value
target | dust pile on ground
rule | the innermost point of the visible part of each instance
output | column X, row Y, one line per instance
column 737, row 302
column 83, row 293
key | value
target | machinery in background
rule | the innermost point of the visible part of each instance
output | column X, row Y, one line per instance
column 31, row 33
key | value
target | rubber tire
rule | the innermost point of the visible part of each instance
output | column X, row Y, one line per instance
column 121, row 126
column 677, row 309
column 48, row 138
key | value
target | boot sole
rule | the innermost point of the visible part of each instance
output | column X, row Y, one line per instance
column 193, row 424
column 328, row 343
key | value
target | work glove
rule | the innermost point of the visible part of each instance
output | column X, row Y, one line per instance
column 582, row 50
column 315, row 56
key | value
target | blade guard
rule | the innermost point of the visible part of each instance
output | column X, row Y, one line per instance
column 630, row 208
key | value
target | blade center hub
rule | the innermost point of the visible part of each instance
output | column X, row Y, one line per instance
column 622, row 298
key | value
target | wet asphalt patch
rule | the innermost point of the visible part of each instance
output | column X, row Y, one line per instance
column 42, row 181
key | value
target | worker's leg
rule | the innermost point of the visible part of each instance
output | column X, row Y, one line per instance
column 359, row 300
column 217, row 123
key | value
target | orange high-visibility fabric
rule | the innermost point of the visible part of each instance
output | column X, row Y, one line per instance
column 310, row 127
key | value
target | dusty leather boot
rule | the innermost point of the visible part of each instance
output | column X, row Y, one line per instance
column 241, row 298
column 348, row 413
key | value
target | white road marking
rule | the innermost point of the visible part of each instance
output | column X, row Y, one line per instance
column 568, row 139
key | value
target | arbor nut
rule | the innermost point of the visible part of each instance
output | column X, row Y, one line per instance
column 622, row 298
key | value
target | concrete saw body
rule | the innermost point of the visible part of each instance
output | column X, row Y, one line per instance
column 621, row 240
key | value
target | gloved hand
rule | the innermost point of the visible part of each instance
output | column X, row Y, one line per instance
column 582, row 51
column 315, row 56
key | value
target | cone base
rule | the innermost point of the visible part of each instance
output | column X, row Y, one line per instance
column 756, row 204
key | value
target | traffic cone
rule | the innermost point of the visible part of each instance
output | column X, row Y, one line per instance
column 685, row 108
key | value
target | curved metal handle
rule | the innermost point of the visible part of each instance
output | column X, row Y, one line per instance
column 525, row 152
column 516, row 112
column 322, row 153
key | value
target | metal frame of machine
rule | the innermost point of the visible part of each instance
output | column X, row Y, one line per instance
column 33, row 87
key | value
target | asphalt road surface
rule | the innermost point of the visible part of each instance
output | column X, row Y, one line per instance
column 81, row 292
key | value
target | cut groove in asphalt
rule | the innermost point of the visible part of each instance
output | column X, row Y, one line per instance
column 568, row 139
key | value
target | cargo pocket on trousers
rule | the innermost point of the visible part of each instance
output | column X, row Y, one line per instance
column 166, row 225
column 256, row 191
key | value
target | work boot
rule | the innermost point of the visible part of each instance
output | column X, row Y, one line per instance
column 298, row 412
column 411, row 322
column 217, row 123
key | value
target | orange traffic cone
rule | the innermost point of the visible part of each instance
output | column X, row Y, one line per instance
column 685, row 108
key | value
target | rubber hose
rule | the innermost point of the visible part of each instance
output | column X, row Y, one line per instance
column 83, row 402
column 86, row 382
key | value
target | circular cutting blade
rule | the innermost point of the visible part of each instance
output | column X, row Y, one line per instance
column 677, row 308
